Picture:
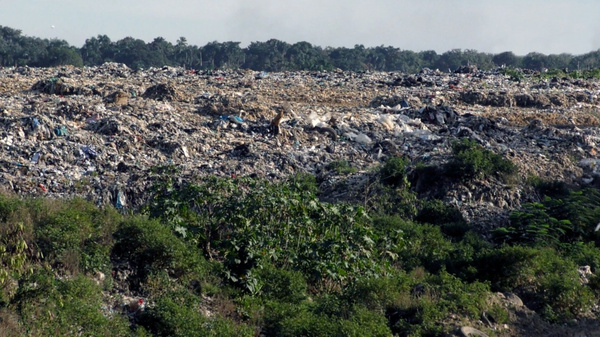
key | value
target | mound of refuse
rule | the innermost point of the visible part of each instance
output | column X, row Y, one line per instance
column 97, row 132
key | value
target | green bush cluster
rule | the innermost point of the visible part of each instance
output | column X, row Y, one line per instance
column 515, row 75
column 48, row 306
column 546, row 280
column 448, row 217
column 569, row 218
column 341, row 167
column 472, row 160
column 248, row 223
column 244, row 257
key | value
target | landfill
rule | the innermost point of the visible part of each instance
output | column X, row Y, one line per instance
column 97, row 132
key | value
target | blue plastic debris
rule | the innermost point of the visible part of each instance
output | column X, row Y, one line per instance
column 35, row 123
column 236, row 119
column 61, row 131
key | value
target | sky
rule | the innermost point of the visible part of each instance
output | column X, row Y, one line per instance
column 493, row 26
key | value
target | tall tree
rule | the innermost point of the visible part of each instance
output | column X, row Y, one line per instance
column 507, row 58
column 535, row 61
column 60, row 53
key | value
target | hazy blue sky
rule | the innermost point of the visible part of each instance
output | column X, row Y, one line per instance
column 521, row 26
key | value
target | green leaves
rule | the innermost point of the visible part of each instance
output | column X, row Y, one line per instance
column 249, row 222
column 471, row 160
column 568, row 219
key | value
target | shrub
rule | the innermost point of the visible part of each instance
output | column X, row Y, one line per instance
column 431, row 299
column 568, row 219
column 390, row 194
column 545, row 281
column 471, row 160
column 341, row 167
column 379, row 294
column 250, row 222
column 282, row 285
column 15, row 258
column 394, row 172
column 176, row 314
column 365, row 323
column 418, row 245
column 304, row 182
column 51, row 307
column 427, row 178
column 583, row 254
column 448, row 217
column 150, row 246
column 76, row 235
column 325, row 320
column 552, row 188
column 532, row 225
column 515, row 75
column 308, row 324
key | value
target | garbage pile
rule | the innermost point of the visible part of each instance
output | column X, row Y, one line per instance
column 98, row 131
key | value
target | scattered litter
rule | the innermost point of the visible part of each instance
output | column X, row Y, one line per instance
column 98, row 131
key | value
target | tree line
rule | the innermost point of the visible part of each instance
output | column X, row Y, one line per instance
column 273, row 55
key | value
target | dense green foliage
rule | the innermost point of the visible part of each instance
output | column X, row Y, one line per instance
column 472, row 160
column 272, row 55
column 244, row 256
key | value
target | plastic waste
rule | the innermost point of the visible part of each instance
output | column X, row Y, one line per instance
column 591, row 163
column 363, row 139
column 35, row 158
column 387, row 121
column 236, row 119
column 61, row 131
column 89, row 151
column 120, row 202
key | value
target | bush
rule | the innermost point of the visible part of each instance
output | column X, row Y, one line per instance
column 534, row 226
column 51, row 307
column 365, row 323
column 235, row 218
column 76, row 236
column 449, row 218
column 176, row 314
column 150, row 246
column 391, row 194
column 304, row 182
column 341, row 167
column 471, row 160
column 427, row 179
column 308, row 324
column 515, row 75
column 394, row 172
column 430, row 300
column 325, row 320
column 282, row 285
column 418, row 245
column 552, row 188
column 545, row 281
column 569, row 219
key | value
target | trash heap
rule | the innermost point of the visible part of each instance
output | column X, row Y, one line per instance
column 97, row 132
